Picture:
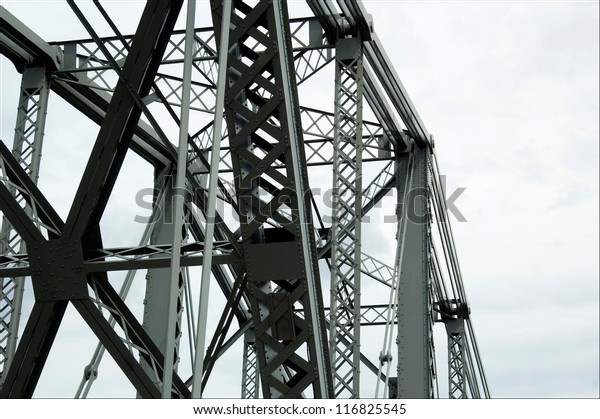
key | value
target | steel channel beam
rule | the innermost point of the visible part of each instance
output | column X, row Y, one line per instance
column 413, row 304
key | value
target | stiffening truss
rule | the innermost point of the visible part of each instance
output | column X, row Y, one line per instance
column 295, row 274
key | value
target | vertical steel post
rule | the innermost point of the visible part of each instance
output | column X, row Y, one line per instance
column 455, row 328
column 178, row 224
column 212, row 201
column 414, row 305
column 27, row 149
column 345, row 229
column 250, row 367
column 264, row 128
column 303, row 213
column 158, row 283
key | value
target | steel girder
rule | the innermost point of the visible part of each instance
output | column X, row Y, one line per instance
column 346, row 224
column 88, row 62
column 56, row 281
column 250, row 373
column 262, row 115
column 354, row 20
column 27, row 149
column 24, row 47
column 414, row 306
column 158, row 281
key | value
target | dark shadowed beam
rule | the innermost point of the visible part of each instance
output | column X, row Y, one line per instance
column 17, row 217
column 138, row 336
column 33, row 349
column 113, row 343
column 23, row 47
column 33, row 196
column 46, row 316
column 122, row 116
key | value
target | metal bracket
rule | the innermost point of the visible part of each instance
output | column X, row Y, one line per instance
column 57, row 270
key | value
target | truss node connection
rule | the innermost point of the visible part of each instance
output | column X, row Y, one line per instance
column 273, row 143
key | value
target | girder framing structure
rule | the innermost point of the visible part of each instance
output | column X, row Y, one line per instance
column 27, row 146
column 292, row 344
column 346, row 221
column 261, row 115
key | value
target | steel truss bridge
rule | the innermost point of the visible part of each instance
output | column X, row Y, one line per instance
column 224, row 116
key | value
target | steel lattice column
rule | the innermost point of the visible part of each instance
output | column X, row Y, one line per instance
column 250, row 368
column 414, row 304
column 27, row 149
column 263, row 122
column 345, row 229
column 456, row 360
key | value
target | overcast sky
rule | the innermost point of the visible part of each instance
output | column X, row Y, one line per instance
column 510, row 92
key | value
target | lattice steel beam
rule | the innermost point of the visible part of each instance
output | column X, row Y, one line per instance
column 250, row 370
column 27, row 149
column 346, row 226
column 456, row 359
column 261, row 110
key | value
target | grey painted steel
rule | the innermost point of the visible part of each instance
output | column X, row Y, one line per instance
column 24, row 47
column 90, row 372
column 457, row 382
column 356, row 21
column 27, row 149
column 174, row 294
column 158, row 281
column 212, row 202
column 284, row 371
column 472, row 365
column 169, row 339
column 35, row 345
column 405, row 166
column 413, row 306
column 250, row 371
column 272, row 142
column 371, row 315
column 346, row 214
column 40, row 330
column 313, row 304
